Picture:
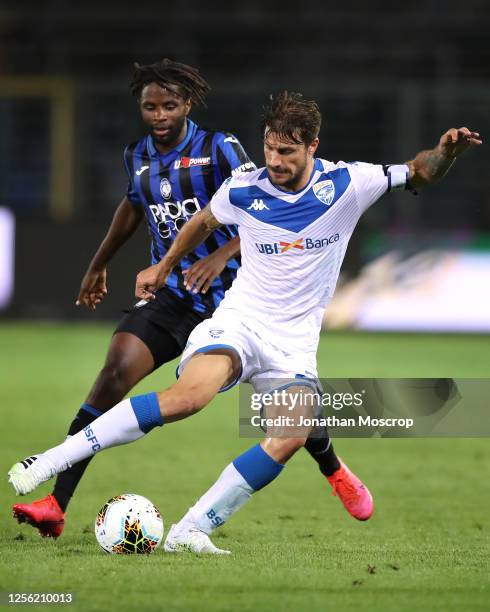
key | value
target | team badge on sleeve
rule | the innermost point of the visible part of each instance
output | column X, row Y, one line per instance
column 325, row 191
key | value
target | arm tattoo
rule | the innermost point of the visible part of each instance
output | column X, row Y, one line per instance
column 436, row 164
column 428, row 167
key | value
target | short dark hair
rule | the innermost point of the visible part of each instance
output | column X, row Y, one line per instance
column 289, row 115
column 190, row 84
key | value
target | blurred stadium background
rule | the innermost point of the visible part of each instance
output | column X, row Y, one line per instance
column 390, row 78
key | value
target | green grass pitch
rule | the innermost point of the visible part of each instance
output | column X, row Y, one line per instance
column 294, row 547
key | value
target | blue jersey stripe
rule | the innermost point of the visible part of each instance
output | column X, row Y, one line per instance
column 218, row 179
column 199, row 185
column 146, row 195
column 175, row 208
column 184, row 188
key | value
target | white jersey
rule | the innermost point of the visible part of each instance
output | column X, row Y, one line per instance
column 293, row 244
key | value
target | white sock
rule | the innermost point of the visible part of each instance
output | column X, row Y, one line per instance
column 228, row 494
column 116, row 426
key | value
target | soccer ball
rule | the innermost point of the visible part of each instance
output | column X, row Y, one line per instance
column 128, row 524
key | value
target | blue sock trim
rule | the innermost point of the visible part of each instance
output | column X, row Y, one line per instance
column 257, row 467
column 147, row 411
column 91, row 410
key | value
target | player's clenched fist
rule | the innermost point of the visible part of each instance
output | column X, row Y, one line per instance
column 456, row 141
column 151, row 279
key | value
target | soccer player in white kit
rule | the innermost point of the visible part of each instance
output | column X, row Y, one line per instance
column 295, row 217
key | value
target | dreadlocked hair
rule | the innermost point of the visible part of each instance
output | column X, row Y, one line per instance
column 165, row 72
column 292, row 118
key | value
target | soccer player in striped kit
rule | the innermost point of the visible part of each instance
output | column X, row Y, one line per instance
column 172, row 174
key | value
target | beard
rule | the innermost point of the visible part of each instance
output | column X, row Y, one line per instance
column 171, row 136
column 287, row 181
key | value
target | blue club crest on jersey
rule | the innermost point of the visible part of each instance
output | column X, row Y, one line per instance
column 165, row 188
column 325, row 191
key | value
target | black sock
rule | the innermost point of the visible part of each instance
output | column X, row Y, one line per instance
column 321, row 449
column 67, row 481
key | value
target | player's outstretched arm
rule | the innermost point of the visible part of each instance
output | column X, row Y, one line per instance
column 430, row 166
column 199, row 277
column 190, row 237
column 124, row 223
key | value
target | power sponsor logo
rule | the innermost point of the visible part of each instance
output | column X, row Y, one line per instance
column 189, row 162
column 170, row 217
column 301, row 244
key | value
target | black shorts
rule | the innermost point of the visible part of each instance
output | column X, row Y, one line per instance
column 164, row 324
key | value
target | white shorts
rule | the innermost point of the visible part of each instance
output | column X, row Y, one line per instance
column 260, row 359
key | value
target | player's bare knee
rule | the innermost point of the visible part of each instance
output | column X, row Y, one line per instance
column 115, row 373
column 111, row 385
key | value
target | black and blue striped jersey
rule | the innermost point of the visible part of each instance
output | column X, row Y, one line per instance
column 174, row 187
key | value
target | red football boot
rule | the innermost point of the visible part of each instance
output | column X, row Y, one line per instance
column 352, row 493
column 44, row 514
